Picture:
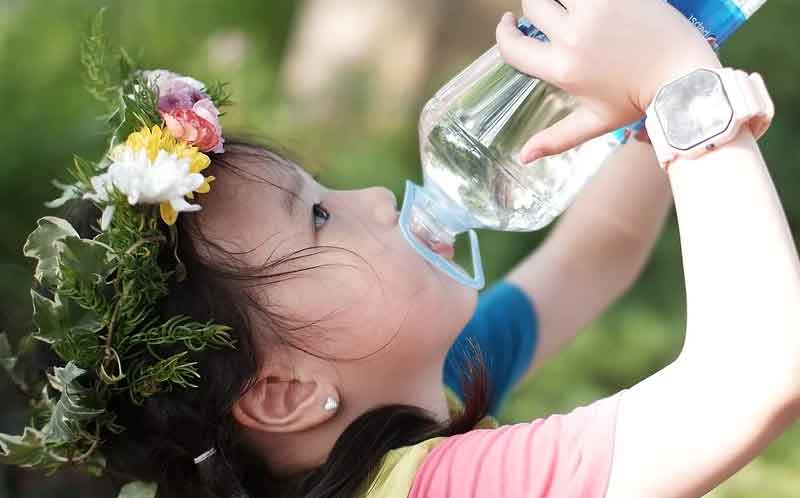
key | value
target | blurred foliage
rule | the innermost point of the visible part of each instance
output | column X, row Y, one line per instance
column 48, row 116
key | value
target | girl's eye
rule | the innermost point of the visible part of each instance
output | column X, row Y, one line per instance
column 321, row 215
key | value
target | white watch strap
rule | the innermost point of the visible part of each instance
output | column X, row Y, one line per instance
column 753, row 103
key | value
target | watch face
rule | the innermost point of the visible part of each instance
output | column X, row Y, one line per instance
column 693, row 109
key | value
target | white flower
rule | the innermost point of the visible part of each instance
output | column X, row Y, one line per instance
column 164, row 180
column 167, row 179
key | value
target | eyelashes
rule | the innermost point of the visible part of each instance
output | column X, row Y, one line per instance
column 320, row 215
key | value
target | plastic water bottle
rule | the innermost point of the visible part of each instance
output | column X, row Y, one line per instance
column 472, row 131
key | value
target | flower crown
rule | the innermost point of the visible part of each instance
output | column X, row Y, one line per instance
column 94, row 303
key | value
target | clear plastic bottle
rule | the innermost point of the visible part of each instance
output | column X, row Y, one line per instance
column 471, row 133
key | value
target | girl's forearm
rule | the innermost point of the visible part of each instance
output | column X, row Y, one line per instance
column 741, row 266
column 735, row 386
column 598, row 248
column 612, row 226
column 629, row 197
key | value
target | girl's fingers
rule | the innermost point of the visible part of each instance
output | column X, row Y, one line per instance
column 546, row 15
column 525, row 54
column 578, row 127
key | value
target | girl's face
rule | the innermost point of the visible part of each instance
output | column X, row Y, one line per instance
column 349, row 287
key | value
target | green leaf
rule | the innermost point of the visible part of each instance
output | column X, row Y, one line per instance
column 82, row 171
column 96, row 465
column 85, row 260
column 138, row 489
column 68, row 193
column 141, row 102
column 219, row 94
column 50, row 317
column 117, row 120
column 75, row 406
column 8, row 362
column 41, row 408
column 27, row 450
column 100, row 72
column 22, row 450
column 41, row 245
column 81, row 319
column 7, row 359
column 55, row 319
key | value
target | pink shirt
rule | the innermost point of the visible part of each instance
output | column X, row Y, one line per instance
column 560, row 456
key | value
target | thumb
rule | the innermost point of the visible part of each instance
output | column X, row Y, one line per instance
column 580, row 126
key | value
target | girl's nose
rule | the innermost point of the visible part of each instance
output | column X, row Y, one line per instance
column 383, row 203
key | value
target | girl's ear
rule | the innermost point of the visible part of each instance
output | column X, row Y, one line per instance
column 278, row 405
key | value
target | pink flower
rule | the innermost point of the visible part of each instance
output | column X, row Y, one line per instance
column 185, row 124
column 187, row 110
column 206, row 109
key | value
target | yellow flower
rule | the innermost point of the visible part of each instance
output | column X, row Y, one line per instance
column 157, row 138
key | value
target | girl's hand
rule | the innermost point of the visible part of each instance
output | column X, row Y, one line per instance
column 613, row 55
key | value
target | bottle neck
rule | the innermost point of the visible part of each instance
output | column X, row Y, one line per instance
column 435, row 217
column 429, row 219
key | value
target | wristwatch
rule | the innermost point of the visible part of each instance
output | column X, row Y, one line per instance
column 706, row 108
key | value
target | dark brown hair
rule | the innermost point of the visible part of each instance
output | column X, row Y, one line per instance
column 164, row 435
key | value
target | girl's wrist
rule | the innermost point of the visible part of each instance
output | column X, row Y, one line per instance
column 708, row 59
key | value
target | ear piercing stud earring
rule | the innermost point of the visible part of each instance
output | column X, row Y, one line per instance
column 331, row 404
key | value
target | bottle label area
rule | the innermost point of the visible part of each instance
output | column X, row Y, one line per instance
column 717, row 19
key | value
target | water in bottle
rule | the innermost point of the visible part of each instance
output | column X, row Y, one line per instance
column 471, row 134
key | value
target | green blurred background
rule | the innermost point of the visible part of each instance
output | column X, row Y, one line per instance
column 341, row 82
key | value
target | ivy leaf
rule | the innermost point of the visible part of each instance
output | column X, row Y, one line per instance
column 50, row 317
column 24, row 450
column 27, row 450
column 8, row 362
column 138, row 489
column 75, row 406
column 83, row 319
column 56, row 319
column 41, row 245
column 41, row 408
column 86, row 261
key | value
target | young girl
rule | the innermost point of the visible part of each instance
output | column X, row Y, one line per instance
column 335, row 387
